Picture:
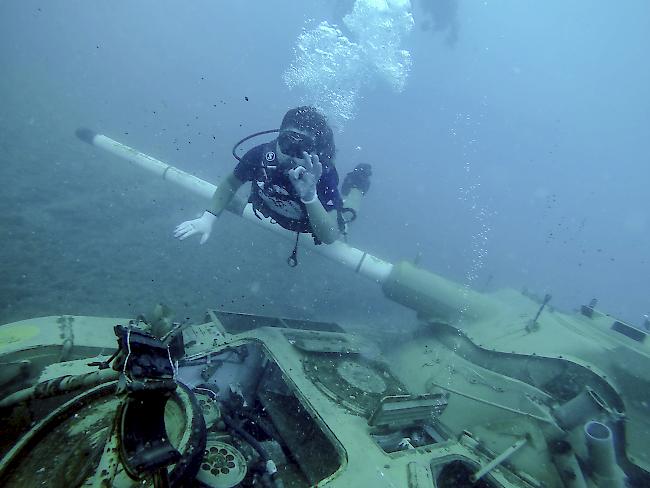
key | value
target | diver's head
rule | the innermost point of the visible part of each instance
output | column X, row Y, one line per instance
column 305, row 129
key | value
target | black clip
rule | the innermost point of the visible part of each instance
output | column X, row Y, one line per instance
column 292, row 260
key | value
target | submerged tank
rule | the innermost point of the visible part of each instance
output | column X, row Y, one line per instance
column 492, row 390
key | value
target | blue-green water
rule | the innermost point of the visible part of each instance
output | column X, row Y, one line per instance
column 514, row 155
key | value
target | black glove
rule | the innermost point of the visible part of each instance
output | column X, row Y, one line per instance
column 359, row 178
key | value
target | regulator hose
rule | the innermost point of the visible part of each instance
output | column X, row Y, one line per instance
column 234, row 149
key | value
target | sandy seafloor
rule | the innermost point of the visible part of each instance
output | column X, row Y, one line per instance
column 84, row 233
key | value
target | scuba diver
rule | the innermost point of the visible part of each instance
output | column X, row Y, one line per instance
column 293, row 182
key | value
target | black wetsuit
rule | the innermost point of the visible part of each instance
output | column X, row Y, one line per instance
column 273, row 195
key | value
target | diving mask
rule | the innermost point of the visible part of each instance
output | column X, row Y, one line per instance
column 293, row 144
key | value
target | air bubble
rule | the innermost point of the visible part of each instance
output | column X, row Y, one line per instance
column 331, row 69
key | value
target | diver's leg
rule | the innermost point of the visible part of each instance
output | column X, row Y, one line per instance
column 355, row 185
column 353, row 200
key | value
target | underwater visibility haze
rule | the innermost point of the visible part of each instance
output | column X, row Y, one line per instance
column 505, row 234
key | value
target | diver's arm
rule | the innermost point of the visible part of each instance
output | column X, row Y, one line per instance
column 224, row 194
column 323, row 223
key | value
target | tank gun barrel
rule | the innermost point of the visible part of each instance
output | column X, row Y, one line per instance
column 428, row 294
column 435, row 297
